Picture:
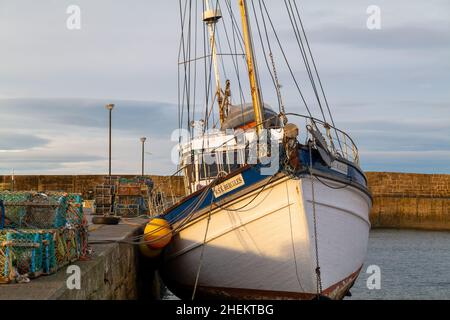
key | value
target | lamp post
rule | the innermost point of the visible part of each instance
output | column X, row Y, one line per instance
column 12, row 180
column 110, row 107
column 143, row 139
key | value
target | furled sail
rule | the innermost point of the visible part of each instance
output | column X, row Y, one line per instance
column 243, row 116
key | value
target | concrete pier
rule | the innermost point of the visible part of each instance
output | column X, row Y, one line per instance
column 114, row 271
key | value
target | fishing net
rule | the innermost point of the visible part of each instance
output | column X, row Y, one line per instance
column 67, row 245
column 132, row 196
column 15, row 214
column 34, row 210
column 21, row 253
column 49, row 261
column 74, row 209
column 40, row 233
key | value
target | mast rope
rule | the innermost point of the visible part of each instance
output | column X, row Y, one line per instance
column 316, row 236
column 317, row 73
column 234, row 58
column 299, row 41
column 265, row 55
column 182, row 52
column 187, row 93
column 237, row 40
column 275, row 74
column 291, row 72
column 195, row 62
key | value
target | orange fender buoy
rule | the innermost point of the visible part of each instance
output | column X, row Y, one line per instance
column 157, row 233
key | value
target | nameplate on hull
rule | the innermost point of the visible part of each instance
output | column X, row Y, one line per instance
column 228, row 185
column 339, row 167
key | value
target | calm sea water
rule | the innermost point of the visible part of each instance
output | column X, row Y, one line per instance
column 412, row 264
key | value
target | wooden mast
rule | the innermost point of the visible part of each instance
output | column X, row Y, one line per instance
column 250, row 56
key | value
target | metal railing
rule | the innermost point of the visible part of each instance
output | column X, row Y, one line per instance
column 163, row 195
column 340, row 144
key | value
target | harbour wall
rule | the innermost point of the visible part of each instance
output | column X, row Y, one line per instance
column 114, row 272
column 407, row 200
column 401, row 200
column 82, row 184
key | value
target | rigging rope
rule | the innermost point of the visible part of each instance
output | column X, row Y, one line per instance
column 248, row 203
column 291, row 72
column 317, row 72
column 275, row 74
column 237, row 40
column 292, row 239
column 234, row 57
column 316, row 240
column 202, row 252
column 299, row 41
column 187, row 96
column 265, row 54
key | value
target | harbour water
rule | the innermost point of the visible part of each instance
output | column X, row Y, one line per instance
column 413, row 265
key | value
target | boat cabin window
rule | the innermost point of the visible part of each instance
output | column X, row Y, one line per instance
column 203, row 169
column 213, row 163
column 207, row 171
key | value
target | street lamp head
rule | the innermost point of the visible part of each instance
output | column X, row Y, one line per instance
column 110, row 106
column 143, row 139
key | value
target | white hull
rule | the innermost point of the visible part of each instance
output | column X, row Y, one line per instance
column 267, row 249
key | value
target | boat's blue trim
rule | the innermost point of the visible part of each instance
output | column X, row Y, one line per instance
column 252, row 175
column 353, row 174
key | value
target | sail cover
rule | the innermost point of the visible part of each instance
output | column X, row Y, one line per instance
column 244, row 115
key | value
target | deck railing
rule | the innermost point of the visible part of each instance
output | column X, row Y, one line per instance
column 340, row 144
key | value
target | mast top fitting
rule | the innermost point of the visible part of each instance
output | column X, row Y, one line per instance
column 212, row 16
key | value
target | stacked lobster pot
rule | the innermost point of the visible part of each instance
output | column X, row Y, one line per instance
column 123, row 197
column 132, row 196
column 40, row 233
column 104, row 196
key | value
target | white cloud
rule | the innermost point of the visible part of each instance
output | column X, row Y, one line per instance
column 394, row 81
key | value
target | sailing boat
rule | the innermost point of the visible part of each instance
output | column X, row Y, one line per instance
column 271, row 211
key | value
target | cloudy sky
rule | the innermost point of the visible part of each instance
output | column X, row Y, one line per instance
column 389, row 88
